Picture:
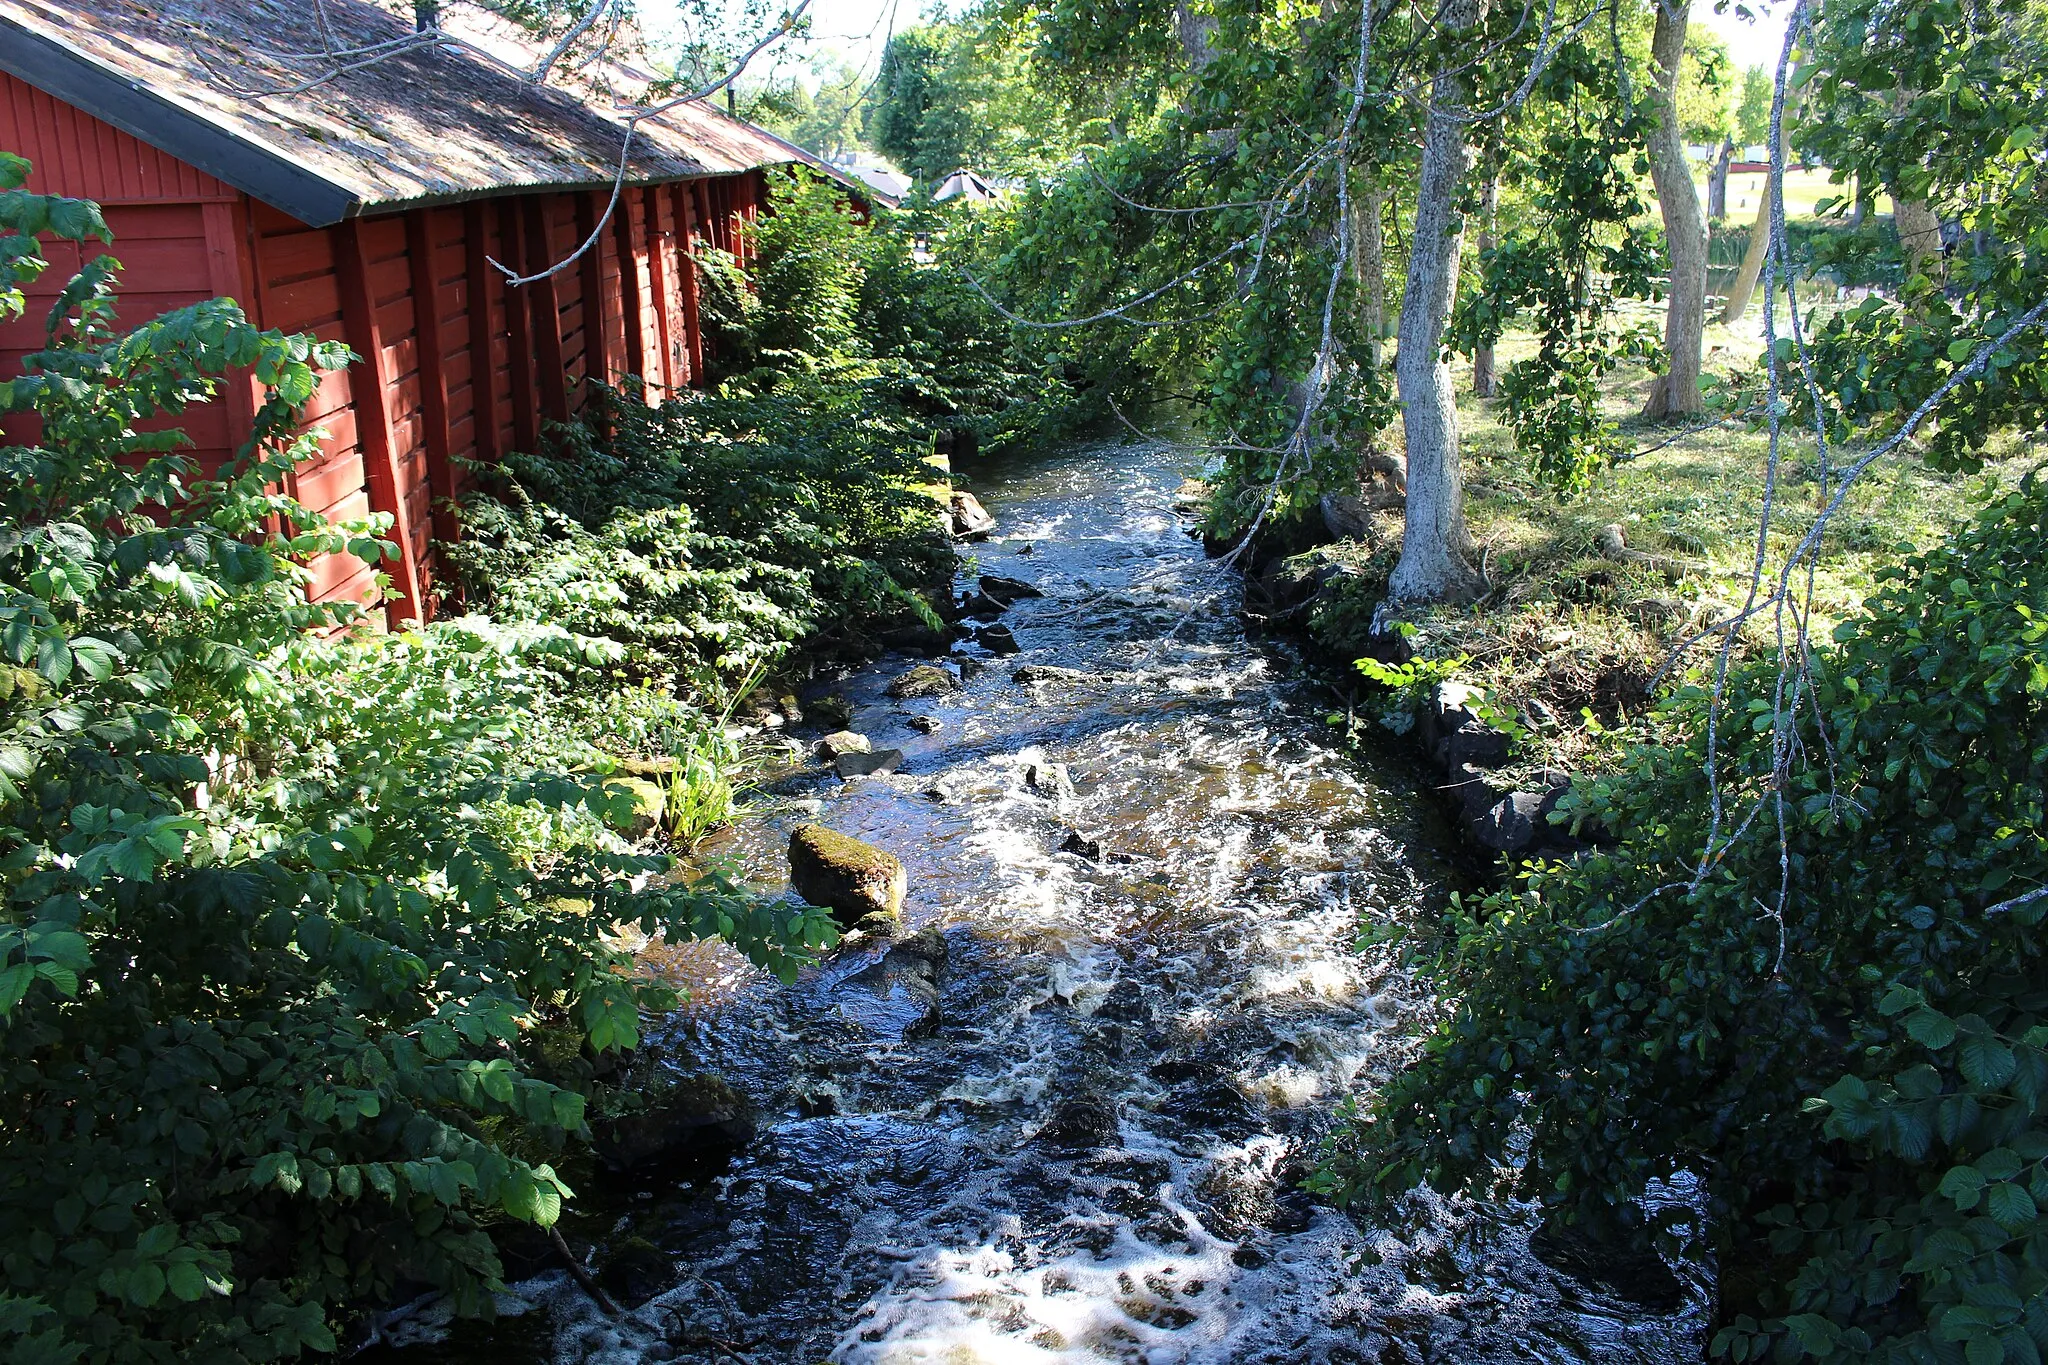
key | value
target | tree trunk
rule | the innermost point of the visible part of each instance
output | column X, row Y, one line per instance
column 1676, row 392
column 1435, row 544
column 1197, row 33
column 1483, row 381
column 1861, row 208
column 1369, row 262
column 1717, row 182
column 1752, row 260
column 1919, row 238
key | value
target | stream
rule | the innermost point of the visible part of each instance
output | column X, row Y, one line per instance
column 1065, row 1118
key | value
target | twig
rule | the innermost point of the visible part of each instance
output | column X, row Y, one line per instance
column 582, row 1276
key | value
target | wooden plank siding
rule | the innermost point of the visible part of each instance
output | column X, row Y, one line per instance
column 456, row 366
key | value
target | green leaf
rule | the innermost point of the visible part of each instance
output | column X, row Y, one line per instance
column 1931, row 1028
column 2011, row 1207
column 1815, row 1334
column 185, row 1280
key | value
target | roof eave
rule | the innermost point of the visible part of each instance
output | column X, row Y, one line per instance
column 63, row 72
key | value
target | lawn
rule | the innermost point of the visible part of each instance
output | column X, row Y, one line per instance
column 1564, row 625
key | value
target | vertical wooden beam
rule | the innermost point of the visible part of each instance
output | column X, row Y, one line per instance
column 661, row 264
column 632, row 310
column 226, row 276
column 433, row 352
column 693, row 317
column 369, row 381
column 519, row 327
column 551, row 375
column 598, row 355
column 483, row 368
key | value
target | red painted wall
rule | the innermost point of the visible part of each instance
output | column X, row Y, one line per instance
column 455, row 365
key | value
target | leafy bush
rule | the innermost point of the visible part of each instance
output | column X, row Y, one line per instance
column 286, row 908
column 858, row 302
column 700, row 540
column 1860, row 1072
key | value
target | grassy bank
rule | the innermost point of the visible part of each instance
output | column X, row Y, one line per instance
column 1582, row 634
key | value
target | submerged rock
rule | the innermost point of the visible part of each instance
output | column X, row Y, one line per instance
column 633, row 1270
column 897, row 997
column 879, row 763
column 832, row 709
column 1004, row 591
column 693, row 1117
column 1031, row 674
column 1049, row 779
column 1083, row 1121
column 998, row 640
column 925, row 725
column 841, row 873
column 926, row 680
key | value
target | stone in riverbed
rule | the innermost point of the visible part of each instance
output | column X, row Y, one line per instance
column 841, row 873
column 1511, row 824
column 1004, row 591
column 832, row 709
column 650, row 803
column 968, row 518
column 696, row 1116
column 926, row 680
column 1479, row 745
column 842, row 742
column 998, row 640
column 1052, row 673
column 1081, row 847
column 1049, row 779
column 879, row 763
column 925, row 725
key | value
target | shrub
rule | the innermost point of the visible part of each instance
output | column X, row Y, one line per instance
column 286, row 907
column 1858, row 1070
column 699, row 541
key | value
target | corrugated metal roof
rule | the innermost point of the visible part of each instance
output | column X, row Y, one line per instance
column 216, row 83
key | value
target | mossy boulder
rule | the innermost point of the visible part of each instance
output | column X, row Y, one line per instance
column 926, row 680
column 843, row 874
column 650, row 803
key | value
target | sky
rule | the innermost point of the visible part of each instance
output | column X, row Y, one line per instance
column 860, row 28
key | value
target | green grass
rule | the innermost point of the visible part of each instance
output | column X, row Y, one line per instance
column 1803, row 190
column 1576, row 631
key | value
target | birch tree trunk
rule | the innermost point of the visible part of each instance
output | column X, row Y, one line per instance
column 1919, row 238
column 1369, row 262
column 1435, row 545
column 1752, row 260
column 1484, row 382
column 1717, row 183
column 1676, row 392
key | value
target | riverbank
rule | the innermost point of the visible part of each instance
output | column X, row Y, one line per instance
column 1587, row 599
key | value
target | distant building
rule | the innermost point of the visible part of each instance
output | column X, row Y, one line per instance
column 362, row 209
column 888, row 184
column 969, row 185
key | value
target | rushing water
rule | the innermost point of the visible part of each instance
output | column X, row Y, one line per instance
column 1089, row 1151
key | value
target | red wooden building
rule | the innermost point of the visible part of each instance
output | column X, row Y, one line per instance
column 367, row 207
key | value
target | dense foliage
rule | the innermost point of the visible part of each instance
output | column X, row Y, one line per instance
column 694, row 543
column 1846, row 1035
column 290, row 907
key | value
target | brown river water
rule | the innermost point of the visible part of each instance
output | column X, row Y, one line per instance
column 1085, row 1147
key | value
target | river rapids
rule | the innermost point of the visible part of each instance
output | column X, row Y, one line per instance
column 1087, row 1147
